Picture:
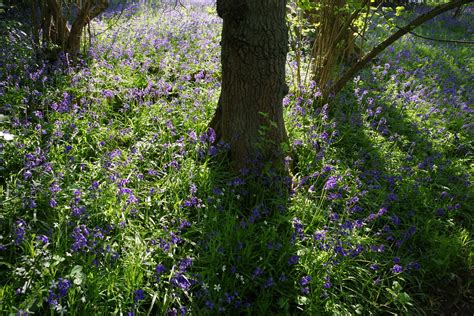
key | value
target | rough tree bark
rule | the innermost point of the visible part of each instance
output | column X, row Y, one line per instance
column 249, row 116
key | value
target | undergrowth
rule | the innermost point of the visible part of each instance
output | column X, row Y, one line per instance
column 116, row 198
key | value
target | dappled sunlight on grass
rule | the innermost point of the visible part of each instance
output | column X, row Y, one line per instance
column 116, row 197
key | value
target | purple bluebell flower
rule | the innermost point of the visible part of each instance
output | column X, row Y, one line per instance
column 268, row 283
column 53, row 203
column 185, row 264
column 328, row 282
column 228, row 297
column 217, row 191
column 132, row 199
column 80, row 234
column 138, row 295
column 395, row 219
column 211, row 135
column 95, row 185
column 160, row 269
column 20, row 231
column 180, row 281
column 397, row 268
column 326, row 168
column 63, row 286
column 382, row 211
column 331, row 183
column 54, row 188
column 257, row 272
column 32, row 203
column 440, row 212
column 27, row 174
column 333, row 217
column 209, row 304
column 298, row 226
column 305, row 280
column 414, row 266
column 57, row 291
column 108, row 94
column 293, row 260
column 184, row 224
column 42, row 238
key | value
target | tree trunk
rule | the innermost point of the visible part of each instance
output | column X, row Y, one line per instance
column 88, row 11
column 249, row 116
column 327, row 49
column 55, row 27
column 35, row 24
column 45, row 22
column 335, row 42
column 61, row 33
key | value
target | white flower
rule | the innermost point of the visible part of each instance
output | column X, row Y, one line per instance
column 240, row 277
column 217, row 287
column 20, row 271
column 7, row 136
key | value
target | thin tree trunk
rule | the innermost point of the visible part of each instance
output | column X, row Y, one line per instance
column 334, row 42
column 35, row 23
column 54, row 23
column 45, row 22
column 254, row 49
column 62, row 31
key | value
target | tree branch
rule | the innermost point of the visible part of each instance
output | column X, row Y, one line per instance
column 429, row 38
column 349, row 74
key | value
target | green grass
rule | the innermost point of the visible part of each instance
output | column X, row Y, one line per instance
column 122, row 176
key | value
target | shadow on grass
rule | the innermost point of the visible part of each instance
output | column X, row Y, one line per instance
column 425, row 187
column 244, row 255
